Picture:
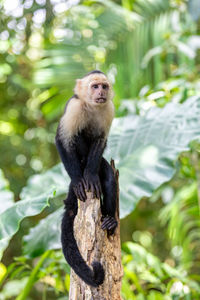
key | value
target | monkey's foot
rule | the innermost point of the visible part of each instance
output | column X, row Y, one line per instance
column 109, row 223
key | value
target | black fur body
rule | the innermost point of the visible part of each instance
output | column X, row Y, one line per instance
column 81, row 148
column 75, row 162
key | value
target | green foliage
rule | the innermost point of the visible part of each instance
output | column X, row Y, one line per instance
column 116, row 40
column 145, row 149
column 5, row 193
column 128, row 157
column 150, row 51
column 6, row 202
column 34, row 198
column 184, row 230
column 175, row 89
column 146, row 277
column 62, row 47
column 41, row 239
column 48, row 270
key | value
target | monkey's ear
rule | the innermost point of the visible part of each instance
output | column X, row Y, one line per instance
column 78, row 86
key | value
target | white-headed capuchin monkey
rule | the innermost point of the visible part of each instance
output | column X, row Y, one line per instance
column 81, row 139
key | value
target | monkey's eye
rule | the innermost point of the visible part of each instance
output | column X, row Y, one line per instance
column 105, row 86
column 95, row 86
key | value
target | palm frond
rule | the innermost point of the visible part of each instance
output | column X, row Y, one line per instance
column 104, row 35
column 182, row 217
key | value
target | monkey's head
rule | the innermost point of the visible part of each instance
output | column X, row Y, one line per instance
column 94, row 88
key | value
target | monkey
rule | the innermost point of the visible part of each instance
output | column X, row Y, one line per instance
column 80, row 140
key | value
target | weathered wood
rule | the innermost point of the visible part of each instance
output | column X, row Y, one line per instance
column 94, row 244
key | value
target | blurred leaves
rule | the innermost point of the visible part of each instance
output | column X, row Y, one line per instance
column 41, row 239
column 46, row 270
column 43, row 57
column 6, row 196
column 181, row 215
column 6, row 201
column 109, row 37
column 149, row 50
column 145, row 274
column 194, row 9
column 13, row 288
column 145, row 148
column 34, row 198
column 52, row 181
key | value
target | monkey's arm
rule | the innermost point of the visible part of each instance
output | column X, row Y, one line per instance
column 91, row 177
column 73, row 168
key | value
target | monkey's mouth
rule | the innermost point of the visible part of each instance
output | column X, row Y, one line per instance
column 101, row 100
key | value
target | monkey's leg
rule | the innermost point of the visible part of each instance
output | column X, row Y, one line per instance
column 109, row 189
column 91, row 178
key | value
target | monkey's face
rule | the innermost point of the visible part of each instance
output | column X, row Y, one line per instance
column 98, row 92
column 94, row 89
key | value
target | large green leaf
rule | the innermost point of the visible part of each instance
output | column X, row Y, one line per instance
column 34, row 198
column 41, row 239
column 6, row 201
column 40, row 185
column 145, row 148
column 6, row 196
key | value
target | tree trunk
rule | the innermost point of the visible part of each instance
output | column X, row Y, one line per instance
column 94, row 244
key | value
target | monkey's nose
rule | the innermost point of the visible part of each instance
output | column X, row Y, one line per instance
column 101, row 93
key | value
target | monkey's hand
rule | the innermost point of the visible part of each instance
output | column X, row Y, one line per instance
column 109, row 223
column 92, row 183
column 79, row 189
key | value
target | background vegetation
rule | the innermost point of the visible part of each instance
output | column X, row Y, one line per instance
column 150, row 51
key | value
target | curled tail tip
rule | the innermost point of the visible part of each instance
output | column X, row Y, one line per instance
column 99, row 273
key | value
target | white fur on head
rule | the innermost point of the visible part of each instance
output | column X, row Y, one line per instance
column 82, row 112
column 83, row 86
column 79, row 116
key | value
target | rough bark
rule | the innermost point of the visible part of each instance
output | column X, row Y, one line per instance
column 95, row 244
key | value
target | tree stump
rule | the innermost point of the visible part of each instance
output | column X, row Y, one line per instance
column 95, row 244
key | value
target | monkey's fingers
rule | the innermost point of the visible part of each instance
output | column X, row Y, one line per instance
column 112, row 225
column 78, row 194
column 86, row 184
column 82, row 192
column 80, row 197
column 98, row 190
column 105, row 223
column 95, row 189
column 109, row 223
column 92, row 188
column 89, row 187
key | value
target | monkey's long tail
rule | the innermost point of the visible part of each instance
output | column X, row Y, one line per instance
column 71, row 252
